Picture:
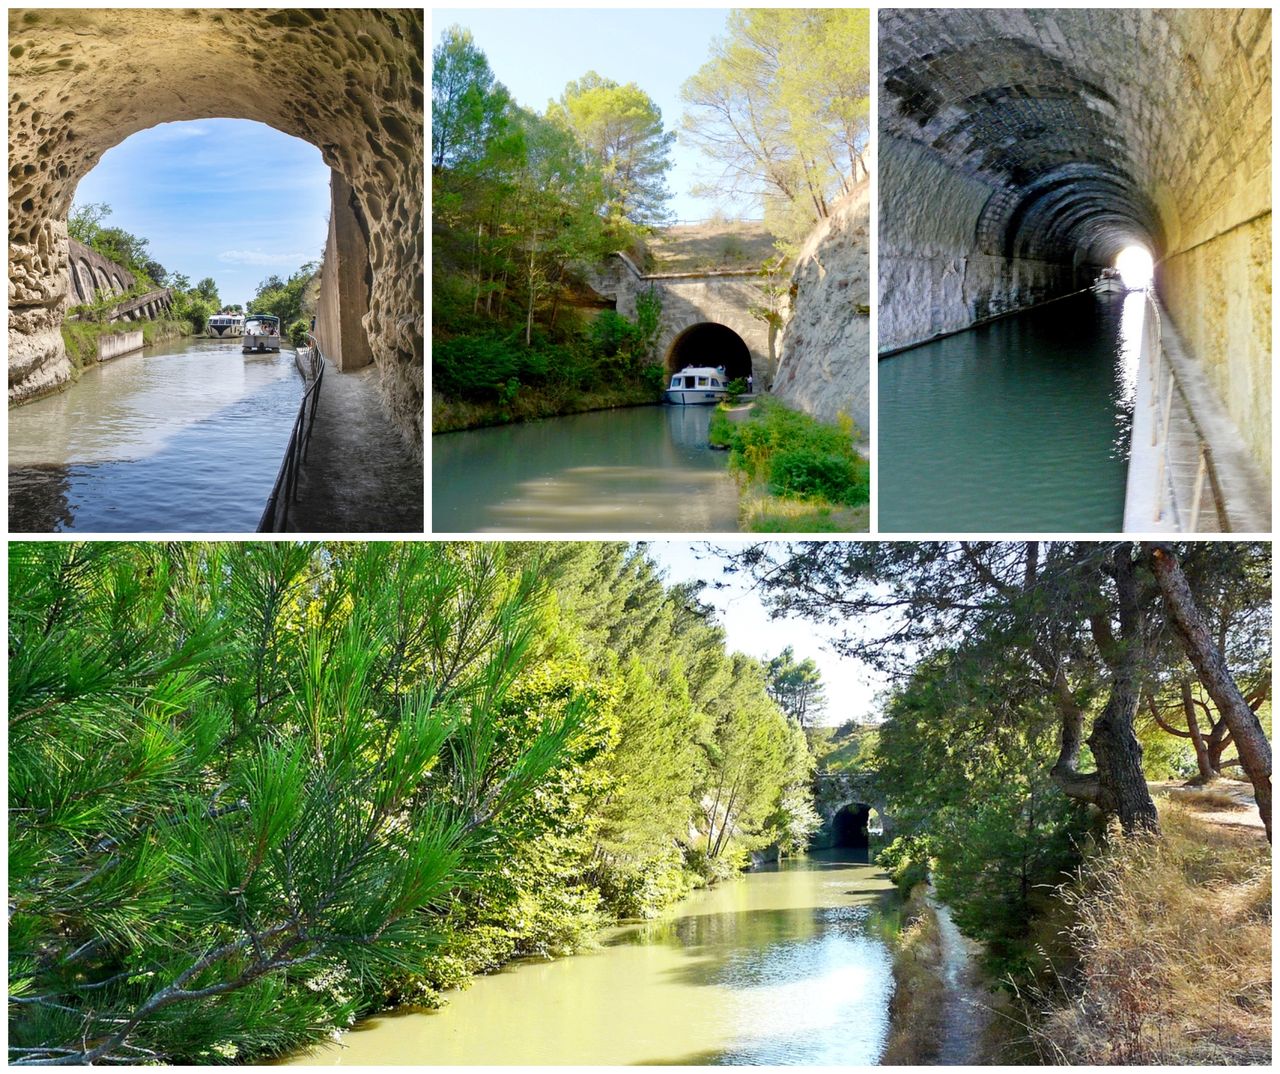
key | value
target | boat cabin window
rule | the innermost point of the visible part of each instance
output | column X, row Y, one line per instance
column 702, row 382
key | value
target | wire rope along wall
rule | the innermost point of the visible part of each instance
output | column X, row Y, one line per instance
column 275, row 515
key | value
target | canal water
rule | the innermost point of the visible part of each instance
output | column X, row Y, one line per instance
column 186, row 436
column 637, row 469
column 1022, row 424
column 774, row 968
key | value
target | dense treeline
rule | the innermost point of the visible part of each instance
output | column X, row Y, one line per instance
column 520, row 202
column 256, row 790
column 1041, row 688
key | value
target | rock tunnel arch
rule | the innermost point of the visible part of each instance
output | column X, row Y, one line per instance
column 349, row 81
column 1021, row 150
column 713, row 344
column 852, row 825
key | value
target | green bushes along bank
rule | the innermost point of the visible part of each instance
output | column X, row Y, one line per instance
column 796, row 473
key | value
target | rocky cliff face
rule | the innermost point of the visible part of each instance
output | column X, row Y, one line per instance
column 825, row 346
column 347, row 81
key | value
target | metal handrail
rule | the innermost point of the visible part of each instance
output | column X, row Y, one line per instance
column 275, row 516
column 1165, row 382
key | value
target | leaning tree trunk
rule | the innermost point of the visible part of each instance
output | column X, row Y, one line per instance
column 1211, row 665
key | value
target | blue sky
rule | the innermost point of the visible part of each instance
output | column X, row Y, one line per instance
column 853, row 689
column 534, row 53
column 226, row 198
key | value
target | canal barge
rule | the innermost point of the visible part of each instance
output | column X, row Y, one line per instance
column 697, row 385
column 261, row 333
column 225, row 326
column 1109, row 283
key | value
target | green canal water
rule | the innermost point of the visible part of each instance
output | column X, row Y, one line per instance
column 638, row 469
column 184, row 436
column 1019, row 425
column 774, row 968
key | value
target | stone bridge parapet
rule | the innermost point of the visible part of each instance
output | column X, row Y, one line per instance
column 725, row 297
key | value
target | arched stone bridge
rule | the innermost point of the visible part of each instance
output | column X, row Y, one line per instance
column 706, row 316
column 845, row 801
column 91, row 276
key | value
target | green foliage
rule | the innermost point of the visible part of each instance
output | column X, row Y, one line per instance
column 240, row 770
column 965, row 756
column 189, row 306
column 794, row 455
column 521, row 202
column 283, row 298
column 796, row 687
column 906, row 860
column 782, row 106
column 298, row 332
column 84, row 224
column 621, row 127
column 257, row 790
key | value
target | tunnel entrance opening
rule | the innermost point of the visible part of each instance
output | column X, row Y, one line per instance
column 348, row 82
column 849, row 827
column 1135, row 266
column 713, row 345
column 137, row 203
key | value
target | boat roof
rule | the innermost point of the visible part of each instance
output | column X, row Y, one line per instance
column 698, row 369
column 263, row 317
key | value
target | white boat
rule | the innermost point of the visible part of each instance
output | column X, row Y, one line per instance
column 261, row 333
column 225, row 325
column 1109, row 283
column 697, row 385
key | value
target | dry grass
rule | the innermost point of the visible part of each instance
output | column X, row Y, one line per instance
column 1221, row 795
column 915, row 1012
column 1173, row 945
column 709, row 246
column 761, row 512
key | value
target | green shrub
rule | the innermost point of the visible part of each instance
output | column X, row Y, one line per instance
column 298, row 332
column 794, row 455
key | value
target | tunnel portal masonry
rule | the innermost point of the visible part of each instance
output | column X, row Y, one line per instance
column 1021, row 149
column 348, row 81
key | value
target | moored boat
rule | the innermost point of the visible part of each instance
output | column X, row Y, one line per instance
column 261, row 333
column 1109, row 283
column 697, row 385
column 225, row 326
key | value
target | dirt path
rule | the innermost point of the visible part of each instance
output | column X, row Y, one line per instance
column 966, row 1012
column 1237, row 807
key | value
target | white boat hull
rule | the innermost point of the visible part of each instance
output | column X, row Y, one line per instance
column 1109, row 287
column 261, row 344
column 695, row 396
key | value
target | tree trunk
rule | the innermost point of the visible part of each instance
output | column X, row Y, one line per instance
column 1122, row 783
column 1207, row 773
column 1210, row 664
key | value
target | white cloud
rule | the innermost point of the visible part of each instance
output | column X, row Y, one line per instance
column 175, row 132
column 261, row 257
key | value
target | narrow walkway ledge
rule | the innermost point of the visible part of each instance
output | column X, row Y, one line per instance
column 359, row 476
column 1175, row 412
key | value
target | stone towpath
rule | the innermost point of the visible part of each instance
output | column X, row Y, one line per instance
column 359, row 476
column 966, row 1008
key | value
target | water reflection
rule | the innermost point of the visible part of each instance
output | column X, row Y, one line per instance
column 641, row 469
column 1022, row 424
column 775, row 968
column 185, row 436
